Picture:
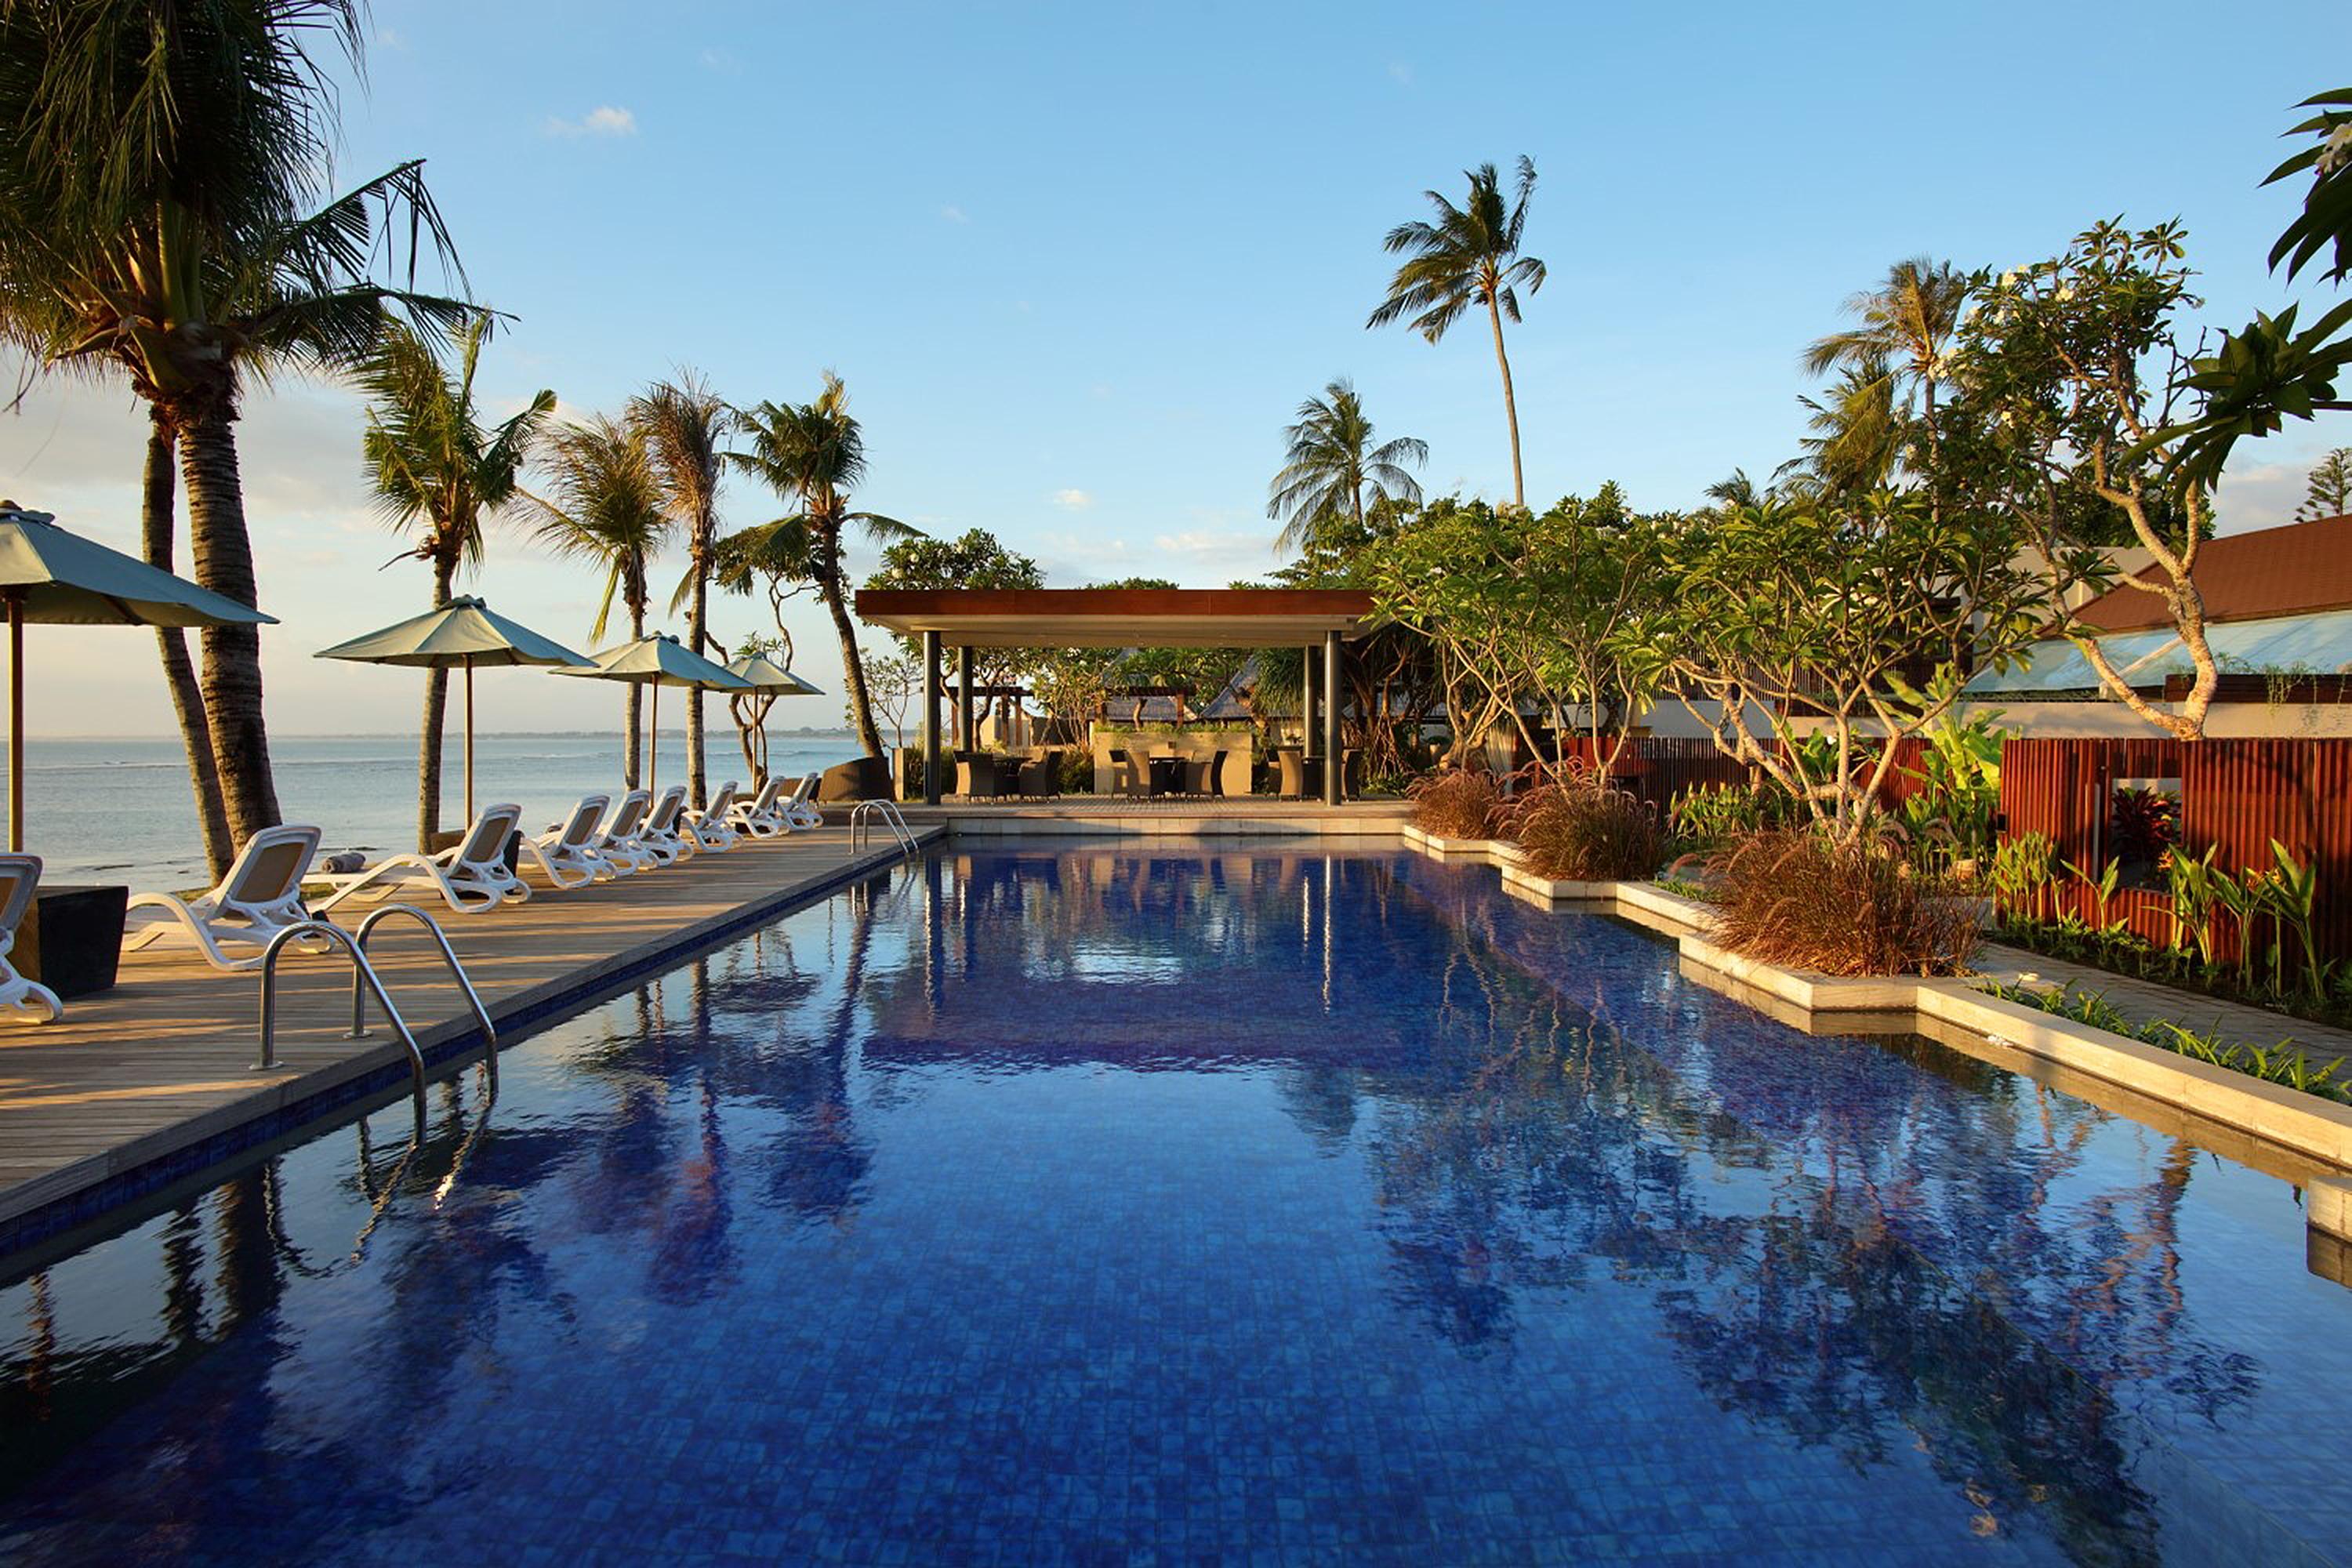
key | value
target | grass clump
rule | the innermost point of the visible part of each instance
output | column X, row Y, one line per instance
column 1585, row 833
column 1457, row 803
column 2279, row 1064
column 1799, row 901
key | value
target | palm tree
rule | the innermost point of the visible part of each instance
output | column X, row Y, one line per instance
column 1470, row 255
column 812, row 455
column 1333, row 469
column 1857, row 434
column 435, row 467
column 686, row 425
column 157, row 167
column 1905, row 328
column 608, row 510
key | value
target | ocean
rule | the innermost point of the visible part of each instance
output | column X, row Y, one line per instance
column 121, row 810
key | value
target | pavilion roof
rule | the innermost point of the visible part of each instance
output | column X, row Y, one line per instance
column 1121, row 617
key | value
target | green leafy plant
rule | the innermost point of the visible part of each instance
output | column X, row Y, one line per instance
column 1801, row 900
column 1712, row 815
column 2024, row 868
column 2289, row 894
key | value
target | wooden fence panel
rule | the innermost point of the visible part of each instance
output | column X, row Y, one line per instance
column 2238, row 794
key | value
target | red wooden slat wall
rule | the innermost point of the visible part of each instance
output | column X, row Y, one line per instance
column 2236, row 793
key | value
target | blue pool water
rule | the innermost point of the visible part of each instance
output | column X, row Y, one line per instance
column 1078, row 1206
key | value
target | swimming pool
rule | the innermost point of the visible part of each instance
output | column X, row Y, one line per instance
column 1061, row 1203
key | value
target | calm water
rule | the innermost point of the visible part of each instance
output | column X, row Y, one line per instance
column 1076, row 1206
column 122, row 809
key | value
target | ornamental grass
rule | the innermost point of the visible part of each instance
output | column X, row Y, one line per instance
column 1800, row 901
column 1580, row 831
column 1457, row 803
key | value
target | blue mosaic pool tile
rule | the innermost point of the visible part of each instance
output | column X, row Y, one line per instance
column 1099, row 1207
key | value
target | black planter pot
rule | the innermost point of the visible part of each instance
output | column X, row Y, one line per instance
column 72, row 940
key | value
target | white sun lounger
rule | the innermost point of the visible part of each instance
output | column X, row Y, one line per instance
column 762, row 816
column 660, row 837
column 20, row 879
column 618, row 844
column 471, row 876
column 567, row 856
column 709, row 827
column 801, row 810
column 261, row 896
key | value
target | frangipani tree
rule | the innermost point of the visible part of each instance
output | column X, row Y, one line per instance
column 1530, row 614
column 1823, row 611
column 2077, row 389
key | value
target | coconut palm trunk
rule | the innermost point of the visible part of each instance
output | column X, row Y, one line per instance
column 853, row 668
column 696, row 605
column 157, row 536
column 437, row 717
column 231, row 679
column 1510, row 404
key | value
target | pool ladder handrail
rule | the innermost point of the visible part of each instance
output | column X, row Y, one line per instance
column 861, row 818
column 364, row 979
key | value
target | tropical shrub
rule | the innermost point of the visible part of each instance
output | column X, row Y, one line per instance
column 1713, row 815
column 1584, row 832
column 2142, row 823
column 1804, row 901
column 1456, row 803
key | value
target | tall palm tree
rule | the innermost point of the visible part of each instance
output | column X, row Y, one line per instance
column 435, row 467
column 1470, row 255
column 158, row 167
column 608, row 510
column 1903, row 328
column 1333, row 469
column 685, row 425
column 813, row 455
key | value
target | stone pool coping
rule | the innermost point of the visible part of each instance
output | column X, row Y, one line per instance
column 2315, row 1130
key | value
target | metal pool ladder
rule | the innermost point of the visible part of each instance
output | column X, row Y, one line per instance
column 861, row 819
column 364, row 979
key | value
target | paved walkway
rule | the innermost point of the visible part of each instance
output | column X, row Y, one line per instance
column 164, row 1060
column 2145, row 1001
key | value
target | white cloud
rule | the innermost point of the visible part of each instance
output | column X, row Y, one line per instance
column 721, row 61
column 603, row 121
column 1074, row 501
column 385, row 39
column 1401, row 72
column 2263, row 495
column 954, row 214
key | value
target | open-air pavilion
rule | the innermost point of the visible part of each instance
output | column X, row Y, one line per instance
column 1319, row 620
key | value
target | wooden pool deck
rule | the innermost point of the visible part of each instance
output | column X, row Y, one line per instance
column 163, row 1064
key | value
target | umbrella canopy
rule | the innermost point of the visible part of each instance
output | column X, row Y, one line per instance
column 462, row 631
column 763, row 674
column 49, row 576
column 459, row 635
column 659, row 660
column 58, row 578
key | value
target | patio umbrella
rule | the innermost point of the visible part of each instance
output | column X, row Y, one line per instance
column 658, row 660
column 460, row 635
column 764, row 674
column 49, row 576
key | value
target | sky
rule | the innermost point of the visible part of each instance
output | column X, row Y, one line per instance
column 1079, row 265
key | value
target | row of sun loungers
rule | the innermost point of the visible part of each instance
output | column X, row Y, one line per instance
column 263, row 891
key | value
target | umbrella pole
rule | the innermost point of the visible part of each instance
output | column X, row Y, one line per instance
column 469, row 739
column 15, row 722
column 652, row 745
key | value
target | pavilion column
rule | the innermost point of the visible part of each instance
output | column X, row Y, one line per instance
column 964, row 734
column 1335, row 756
column 930, row 718
column 1306, row 709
